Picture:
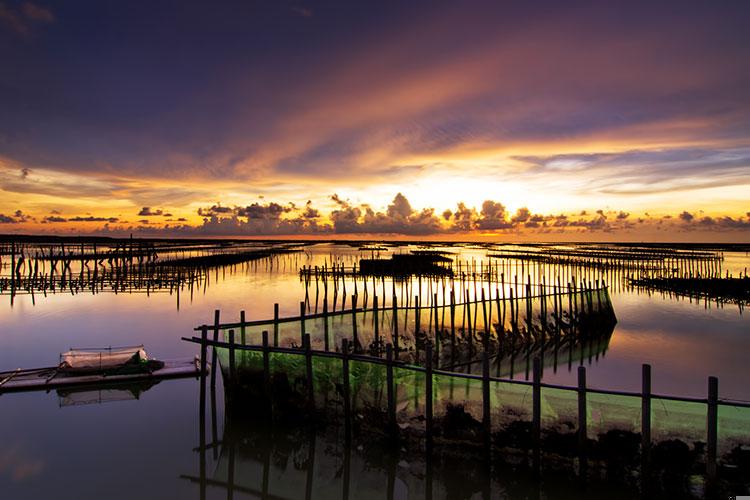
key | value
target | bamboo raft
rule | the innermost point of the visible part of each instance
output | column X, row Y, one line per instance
column 44, row 379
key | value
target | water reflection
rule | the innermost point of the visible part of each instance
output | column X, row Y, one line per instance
column 284, row 461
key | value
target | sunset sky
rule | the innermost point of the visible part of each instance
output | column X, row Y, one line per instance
column 490, row 120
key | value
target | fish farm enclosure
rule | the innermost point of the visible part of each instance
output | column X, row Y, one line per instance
column 398, row 370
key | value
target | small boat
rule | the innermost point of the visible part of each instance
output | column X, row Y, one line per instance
column 99, row 366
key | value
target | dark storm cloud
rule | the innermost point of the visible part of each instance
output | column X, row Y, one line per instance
column 52, row 219
column 91, row 218
column 724, row 223
column 399, row 218
column 686, row 216
column 257, row 211
column 147, row 212
column 17, row 217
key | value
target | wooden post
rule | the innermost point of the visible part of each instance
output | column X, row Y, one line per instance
column 438, row 334
column 453, row 318
column 276, row 325
column 345, row 377
column 355, row 340
column 267, row 371
column 302, row 321
column 486, row 400
column 213, row 351
column 428, row 394
column 536, row 398
column 392, row 427
column 309, row 372
column 232, row 367
column 326, row 344
column 395, row 327
column 243, row 340
column 204, row 362
column 712, row 422
column 645, row 410
column 417, row 314
column 375, row 317
column 484, row 316
column 582, row 429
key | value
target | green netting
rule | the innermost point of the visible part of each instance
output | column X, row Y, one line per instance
column 511, row 414
column 410, row 398
column 368, row 385
column 457, row 408
column 458, row 405
column 681, row 420
column 559, row 410
column 530, row 318
column 328, row 384
column 734, row 427
column 607, row 412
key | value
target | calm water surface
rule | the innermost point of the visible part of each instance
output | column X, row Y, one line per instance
column 146, row 447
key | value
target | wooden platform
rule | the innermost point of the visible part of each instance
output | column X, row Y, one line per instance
column 42, row 379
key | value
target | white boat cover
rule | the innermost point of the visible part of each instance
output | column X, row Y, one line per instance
column 88, row 360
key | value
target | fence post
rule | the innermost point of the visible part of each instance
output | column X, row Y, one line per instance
column 204, row 361
column 267, row 372
column 536, row 399
column 355, row 339
column 417, row 315
column 712, row 421
column 392, row 428
column 242, row 328
column 437, row 319
column 213, row 351
column 582, row 428
column 232, row 366
column 646, row 410
column 428, row 394
column 484, row 315
column 345, row 377
column 326, row 344
column 453, row 318
column 486, row 399
column 276, row 325
column 395, row 327
column 377, row 324
column 302, row 321
column 309, row 372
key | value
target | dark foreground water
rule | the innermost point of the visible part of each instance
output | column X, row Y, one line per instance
column 117, row 446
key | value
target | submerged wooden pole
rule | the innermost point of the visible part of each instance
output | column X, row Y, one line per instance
column 536, row 430
column 645, row 410
column 267, row 371
column 232, row 366
column 453, row 318
column 486, row 400
column 376, row 319
column 346, row 389
column 213, row 351
column 428, row 395
column 391, row 393
column 242, row 328
column 355, row 339
column 712, row 421
column 276, row 325
column 306, row 344
column 395, row 328
column 204, row 362
column 582, row 427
